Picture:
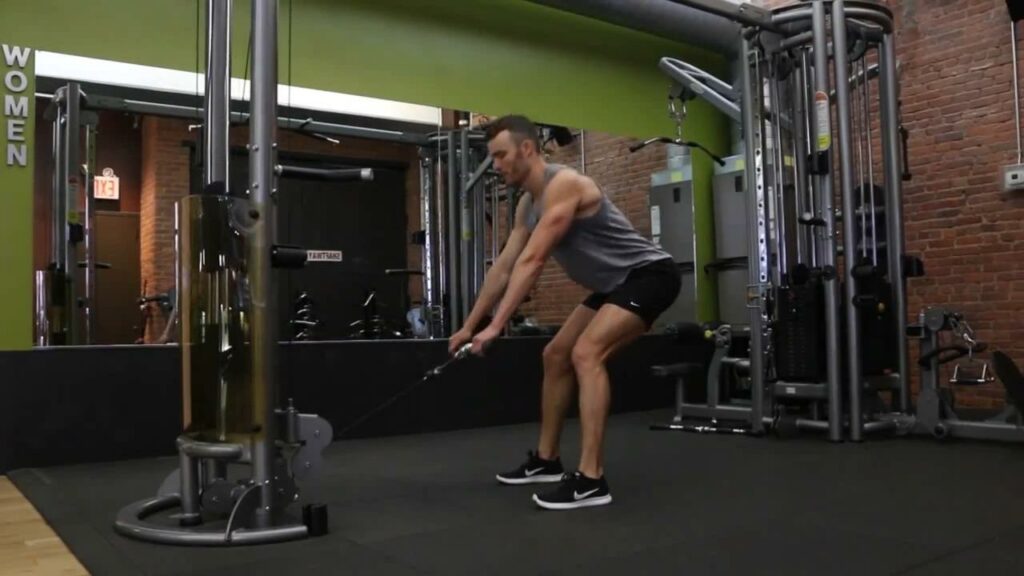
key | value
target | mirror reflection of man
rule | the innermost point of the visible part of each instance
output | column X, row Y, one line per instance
column 565, row 214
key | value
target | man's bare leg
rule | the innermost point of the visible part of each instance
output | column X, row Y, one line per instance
column 611, row 329
column 559, row 381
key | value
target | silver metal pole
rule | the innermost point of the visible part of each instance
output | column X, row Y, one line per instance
column 778, row 178
column 467, row 252
column 894, row 205
column 189, row 471
column 454, row 284
column 427, row 222
column 797, row 112
column 71, row 169
column 757, row 245
column 858, row 132
column 217, row 100
column 57, row 226
column 853, row 361
column 90, row 232
column 57, row 326
column 495, row 222
column 178, row 295
column 583, row 151
column 216, row 122
column 823, row 132
column 441, row 287
column 1016, row 90
column 809, row 144
column 479, row 236
column 866, row 98
column 262, row 159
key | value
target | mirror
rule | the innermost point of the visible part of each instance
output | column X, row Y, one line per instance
column 140, row 151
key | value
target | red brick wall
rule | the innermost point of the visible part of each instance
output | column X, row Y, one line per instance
column 958, row 106
column 165, row 179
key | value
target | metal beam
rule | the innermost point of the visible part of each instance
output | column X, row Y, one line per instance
column 306, row 125
column 661, row 18
column 744, row 13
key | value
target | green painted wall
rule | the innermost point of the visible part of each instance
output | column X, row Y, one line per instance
column 488, row 56
column 16, row 210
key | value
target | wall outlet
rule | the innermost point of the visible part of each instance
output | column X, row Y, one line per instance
column 1013, row 178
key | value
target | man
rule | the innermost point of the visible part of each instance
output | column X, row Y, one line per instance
column 565, row 214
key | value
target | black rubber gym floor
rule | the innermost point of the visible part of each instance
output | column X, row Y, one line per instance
column 684, row 504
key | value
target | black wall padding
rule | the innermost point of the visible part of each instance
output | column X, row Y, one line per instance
column 1016, row 8
column 77, row 405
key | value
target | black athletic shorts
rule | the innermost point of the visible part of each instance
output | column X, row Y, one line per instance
column 647, row 291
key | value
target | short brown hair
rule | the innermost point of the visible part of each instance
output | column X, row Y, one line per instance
column 519, row 126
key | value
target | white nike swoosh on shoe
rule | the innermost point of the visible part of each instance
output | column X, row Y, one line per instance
column 579, row 496
column 532, row 472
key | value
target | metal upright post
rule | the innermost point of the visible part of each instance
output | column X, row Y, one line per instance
column 1016, row 88
column 823, row 138
column 57, row 289
column 262, row 153
column 809, row 144
column 495, row 230
column 466, row 202
column 216, row 112
column 427, row 222
column 479, row 235
column 90, row 230
column 454, row 282
column 443, row 254
column 71, row 170
column 778, row 175
column 853, row 361
column 757, row 246
column 894, row 205
column 57, row 230
column 799, row 143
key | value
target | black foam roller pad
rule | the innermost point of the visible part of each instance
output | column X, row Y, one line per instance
column 1016, row 8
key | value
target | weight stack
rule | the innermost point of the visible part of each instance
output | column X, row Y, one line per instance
column 799, row 333
column 877, row 337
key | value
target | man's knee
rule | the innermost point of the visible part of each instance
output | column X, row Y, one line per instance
column 586, row 355
column 557, row 357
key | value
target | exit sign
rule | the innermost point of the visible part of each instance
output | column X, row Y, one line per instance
column 106, row 187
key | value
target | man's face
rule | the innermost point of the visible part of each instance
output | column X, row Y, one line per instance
column 511, row 159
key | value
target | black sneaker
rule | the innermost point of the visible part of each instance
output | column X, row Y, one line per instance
column 534, row 470
column 575, row 491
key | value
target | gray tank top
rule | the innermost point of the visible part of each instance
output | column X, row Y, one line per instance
column 600, row 250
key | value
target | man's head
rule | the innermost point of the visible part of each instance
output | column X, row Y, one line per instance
column 514, row 144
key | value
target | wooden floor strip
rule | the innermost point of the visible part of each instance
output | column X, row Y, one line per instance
column 28, row 546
